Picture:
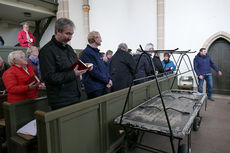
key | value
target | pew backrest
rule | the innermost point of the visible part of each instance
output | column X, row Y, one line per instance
column 19, row 113
column 2, row 99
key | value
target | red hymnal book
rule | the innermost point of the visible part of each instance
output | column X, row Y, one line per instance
column 34, row 78
column 81, row 65
column 168, row 69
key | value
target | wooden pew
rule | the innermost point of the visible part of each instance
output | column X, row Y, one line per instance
column 88, row 126
column 17, row 115
column 2, row 99
column 5, row 50
column 2, row 123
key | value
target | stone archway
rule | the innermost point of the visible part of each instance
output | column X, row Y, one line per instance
column 216, row 36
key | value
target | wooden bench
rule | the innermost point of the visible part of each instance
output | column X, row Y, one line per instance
column 87, row 127
column 2, row 123
column 17, row 115
column 2, row 99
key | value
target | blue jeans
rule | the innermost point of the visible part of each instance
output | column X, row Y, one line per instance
column 208, row 79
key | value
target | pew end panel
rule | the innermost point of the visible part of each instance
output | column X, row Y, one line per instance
column 17, row 115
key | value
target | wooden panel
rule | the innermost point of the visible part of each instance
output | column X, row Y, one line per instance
column 87, row 137
column 2, row 99
column 18, row 114
column 114, row 104
column 139, row 96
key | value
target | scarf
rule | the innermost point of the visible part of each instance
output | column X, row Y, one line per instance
column 166, row 62
column 27, row 35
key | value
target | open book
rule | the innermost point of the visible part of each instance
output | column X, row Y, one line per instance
column 81, row 65
column 29, row 129
column 32, row 79
column 168, row 69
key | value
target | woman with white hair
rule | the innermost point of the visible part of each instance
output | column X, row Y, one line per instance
column 17, row 78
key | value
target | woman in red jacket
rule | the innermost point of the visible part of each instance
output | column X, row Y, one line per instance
column 16, row 78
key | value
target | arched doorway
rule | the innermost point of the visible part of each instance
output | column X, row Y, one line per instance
column 219, row 51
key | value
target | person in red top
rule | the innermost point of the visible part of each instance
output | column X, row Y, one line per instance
column 25, row 37
column 15, row 78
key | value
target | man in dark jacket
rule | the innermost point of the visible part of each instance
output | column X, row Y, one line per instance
column 158, row 65
column 122, row 68
column 3, row 67
column 144, row 68
column 202, row 66
column 98, row 79
column 56, row 58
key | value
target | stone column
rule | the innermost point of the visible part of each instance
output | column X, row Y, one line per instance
column 160, row 24
column 86, row 9
column 63, row 9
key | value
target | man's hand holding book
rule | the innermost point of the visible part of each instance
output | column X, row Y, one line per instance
column 80, row 67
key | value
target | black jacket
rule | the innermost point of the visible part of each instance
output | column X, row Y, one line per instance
column 122, row 67
column 6, row 67
column 2, row 41
column 63, row 87
column 144, row 68
column 158, row 65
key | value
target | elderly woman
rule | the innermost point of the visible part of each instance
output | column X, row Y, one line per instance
column 167, row 64
column 16, row 78
column 33, row 60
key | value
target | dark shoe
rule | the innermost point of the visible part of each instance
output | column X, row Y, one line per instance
column 211, row 99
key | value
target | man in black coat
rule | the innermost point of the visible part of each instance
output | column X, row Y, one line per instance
column 122, row 68
column 144, row 68
column 158, row 65
column 3, row 67
column 56, row 59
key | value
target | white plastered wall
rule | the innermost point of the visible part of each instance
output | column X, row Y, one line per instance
column 48, row 33
column 76, row 15
column 189, row 24
column 129, row 21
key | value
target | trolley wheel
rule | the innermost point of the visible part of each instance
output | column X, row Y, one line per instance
column 123, row 148
column 132, row 139
column 182, row 148
column 196, row 123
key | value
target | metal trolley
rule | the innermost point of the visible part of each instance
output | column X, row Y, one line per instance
column 172, row 113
